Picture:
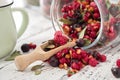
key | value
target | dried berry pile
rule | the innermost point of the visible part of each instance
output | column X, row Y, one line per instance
column 73, row 59
column 76, row 59
column 81, row 20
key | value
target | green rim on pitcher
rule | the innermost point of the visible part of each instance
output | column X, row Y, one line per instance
column 4, row 3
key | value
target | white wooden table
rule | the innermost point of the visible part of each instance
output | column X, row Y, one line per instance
column 39, row 30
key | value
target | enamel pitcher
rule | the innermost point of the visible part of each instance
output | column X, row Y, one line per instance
column 8, row 33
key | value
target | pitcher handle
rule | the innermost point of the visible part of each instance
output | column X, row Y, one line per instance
column 24, row 20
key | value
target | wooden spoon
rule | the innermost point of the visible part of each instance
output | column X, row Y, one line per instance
column 23, row 61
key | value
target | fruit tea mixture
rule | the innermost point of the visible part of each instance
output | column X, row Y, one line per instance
column 81, row 20
column 81, row 23
column 111, row 22
column 72, row 59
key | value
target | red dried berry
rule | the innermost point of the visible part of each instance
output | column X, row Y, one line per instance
column 85, row 18
column 93, row 4
column 59, row 38
column 93, row 62
column 62, row 60
column 32, row 46
column 83, row 54
column 102, row 58
column 81, row 65
column 96, row 15
column 85, row 60
column 79, row 57
column 75, row 66
column 74, row 55
column 111, row 35
column 113, row 20
column 93, row 35
column 66, row 50
column 59, row 54
column 87, row 14
column 118, row 63
column 65, row 16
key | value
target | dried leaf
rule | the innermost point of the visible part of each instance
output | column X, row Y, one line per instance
column 65, row 21
column 87, row 42
column 37, row 72
column 13, row 55
column 51, row 46
column 82, row 33
column 37, row 67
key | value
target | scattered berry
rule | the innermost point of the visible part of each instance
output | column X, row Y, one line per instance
column 75, row 66
column 59, row 54
column 32, row 46
column 62, row 60
column 25, row 47
column 116, row 72
column 118, row 63
column 102, row 58
column 53, row 61
column 93, row 62
column 96, row 55
column 80, row 42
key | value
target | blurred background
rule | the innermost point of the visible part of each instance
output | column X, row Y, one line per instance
column 39, row 19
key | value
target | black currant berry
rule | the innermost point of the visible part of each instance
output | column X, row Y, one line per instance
column 80, row 43
column 116, row 72
column 53, row 61
column 25, row 47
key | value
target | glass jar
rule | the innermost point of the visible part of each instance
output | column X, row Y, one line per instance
column 45, row 7
column 32, row 2
column 96, row 22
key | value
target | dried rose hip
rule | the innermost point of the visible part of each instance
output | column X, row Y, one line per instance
column 118, row 63
column 32, row 46
column 59, row 38
column 93, row 62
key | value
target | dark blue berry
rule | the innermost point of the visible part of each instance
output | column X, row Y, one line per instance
column 80, row 43
column 116, row 72
column 114, row 10
column 53, row 61
column 25, row 47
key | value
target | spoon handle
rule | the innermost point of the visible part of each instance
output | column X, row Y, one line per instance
column 23, row 61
